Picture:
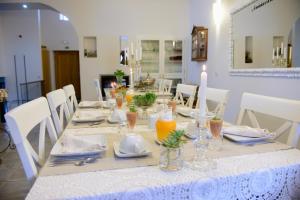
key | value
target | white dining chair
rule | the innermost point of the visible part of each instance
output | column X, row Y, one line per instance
column 286, row 109
column 59, row 109
column 71, row 98
column 98, row 89
column 165, row 85
column 21, row 121
column 184, row 90
column 219, row 97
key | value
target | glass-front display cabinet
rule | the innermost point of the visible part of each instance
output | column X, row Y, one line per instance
column 150, row 56
column 162, row 58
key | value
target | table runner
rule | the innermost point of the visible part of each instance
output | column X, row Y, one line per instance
column 108, row 161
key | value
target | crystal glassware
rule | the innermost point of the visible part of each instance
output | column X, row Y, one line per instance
column 131, row 119
column 201, row 160
column 119, row 100
column 215, row 125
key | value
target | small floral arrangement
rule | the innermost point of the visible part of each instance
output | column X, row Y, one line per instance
column 3, row 94
column 174, row 140
column 132, row 107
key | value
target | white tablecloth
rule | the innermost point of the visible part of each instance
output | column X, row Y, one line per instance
column 273, row 175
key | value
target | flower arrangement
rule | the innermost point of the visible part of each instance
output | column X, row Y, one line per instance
column 3, row 95
column 119, row 75
column 145, row 100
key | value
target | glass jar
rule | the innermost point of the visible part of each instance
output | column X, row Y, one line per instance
column 170, row 158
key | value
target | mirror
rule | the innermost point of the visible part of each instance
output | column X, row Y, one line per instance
column 124, row 47
column 266, row 34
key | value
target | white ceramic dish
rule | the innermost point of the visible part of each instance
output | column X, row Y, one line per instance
column 129, row 155
column 112, row 121
column 89, row 104
column 242, row 139
column 92, row 119
column 58, row 151
column 87, row 116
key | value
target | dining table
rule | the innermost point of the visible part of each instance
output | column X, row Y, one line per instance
column 268, row 170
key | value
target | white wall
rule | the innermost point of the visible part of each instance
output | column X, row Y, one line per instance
column 108, row 20
column 2, row 62
column 56, row 35
column 218, row 62
column 25, row 23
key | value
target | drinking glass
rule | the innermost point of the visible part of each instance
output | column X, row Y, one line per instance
column 119, row 100
column 215, row 125
column 131, row 119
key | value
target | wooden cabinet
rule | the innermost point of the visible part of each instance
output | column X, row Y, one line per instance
column 199, row 43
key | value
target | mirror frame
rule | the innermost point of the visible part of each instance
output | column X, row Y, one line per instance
column 258, row 72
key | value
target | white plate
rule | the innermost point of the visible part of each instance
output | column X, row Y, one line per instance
column 129, row 155
column 242, row 139
column 88, row 116
column 112, row 121
column 89, row 104
column 105, row 104
column 57, row 150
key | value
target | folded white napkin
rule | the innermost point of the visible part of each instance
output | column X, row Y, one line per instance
column 89, row 104
column 73, row 144
column 246, row 131
column 88, row 115
column 118, row 115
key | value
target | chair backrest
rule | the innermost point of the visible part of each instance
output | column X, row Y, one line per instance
column 71, row 98
column 165, row 85
column 98, row 89
column 218, row 96
column 286, row 109
column 20, row 125
column 59, row 108
column 184, row 90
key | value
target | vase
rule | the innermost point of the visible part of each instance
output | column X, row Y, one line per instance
column 170, row 158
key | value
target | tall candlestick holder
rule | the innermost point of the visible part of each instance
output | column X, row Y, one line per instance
column 202, row 161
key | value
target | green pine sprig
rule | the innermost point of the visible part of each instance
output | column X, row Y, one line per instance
column 174, row 140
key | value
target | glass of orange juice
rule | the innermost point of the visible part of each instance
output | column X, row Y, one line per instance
column 163, row 128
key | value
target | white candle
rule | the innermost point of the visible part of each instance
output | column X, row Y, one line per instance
column 277, row 52
column 136, row 55
column 132, row 53
column 141, row 51
column 273, row 54
column 202, row 92
column 284, row 53
column 281, row 51
column 131, row 78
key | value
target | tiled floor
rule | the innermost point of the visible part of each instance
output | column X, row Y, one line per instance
column 13, row 182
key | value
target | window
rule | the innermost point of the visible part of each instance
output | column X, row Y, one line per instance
column 63, row 17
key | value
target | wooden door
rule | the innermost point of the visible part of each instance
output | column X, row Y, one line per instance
column 67, row 70
column 46, row 71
